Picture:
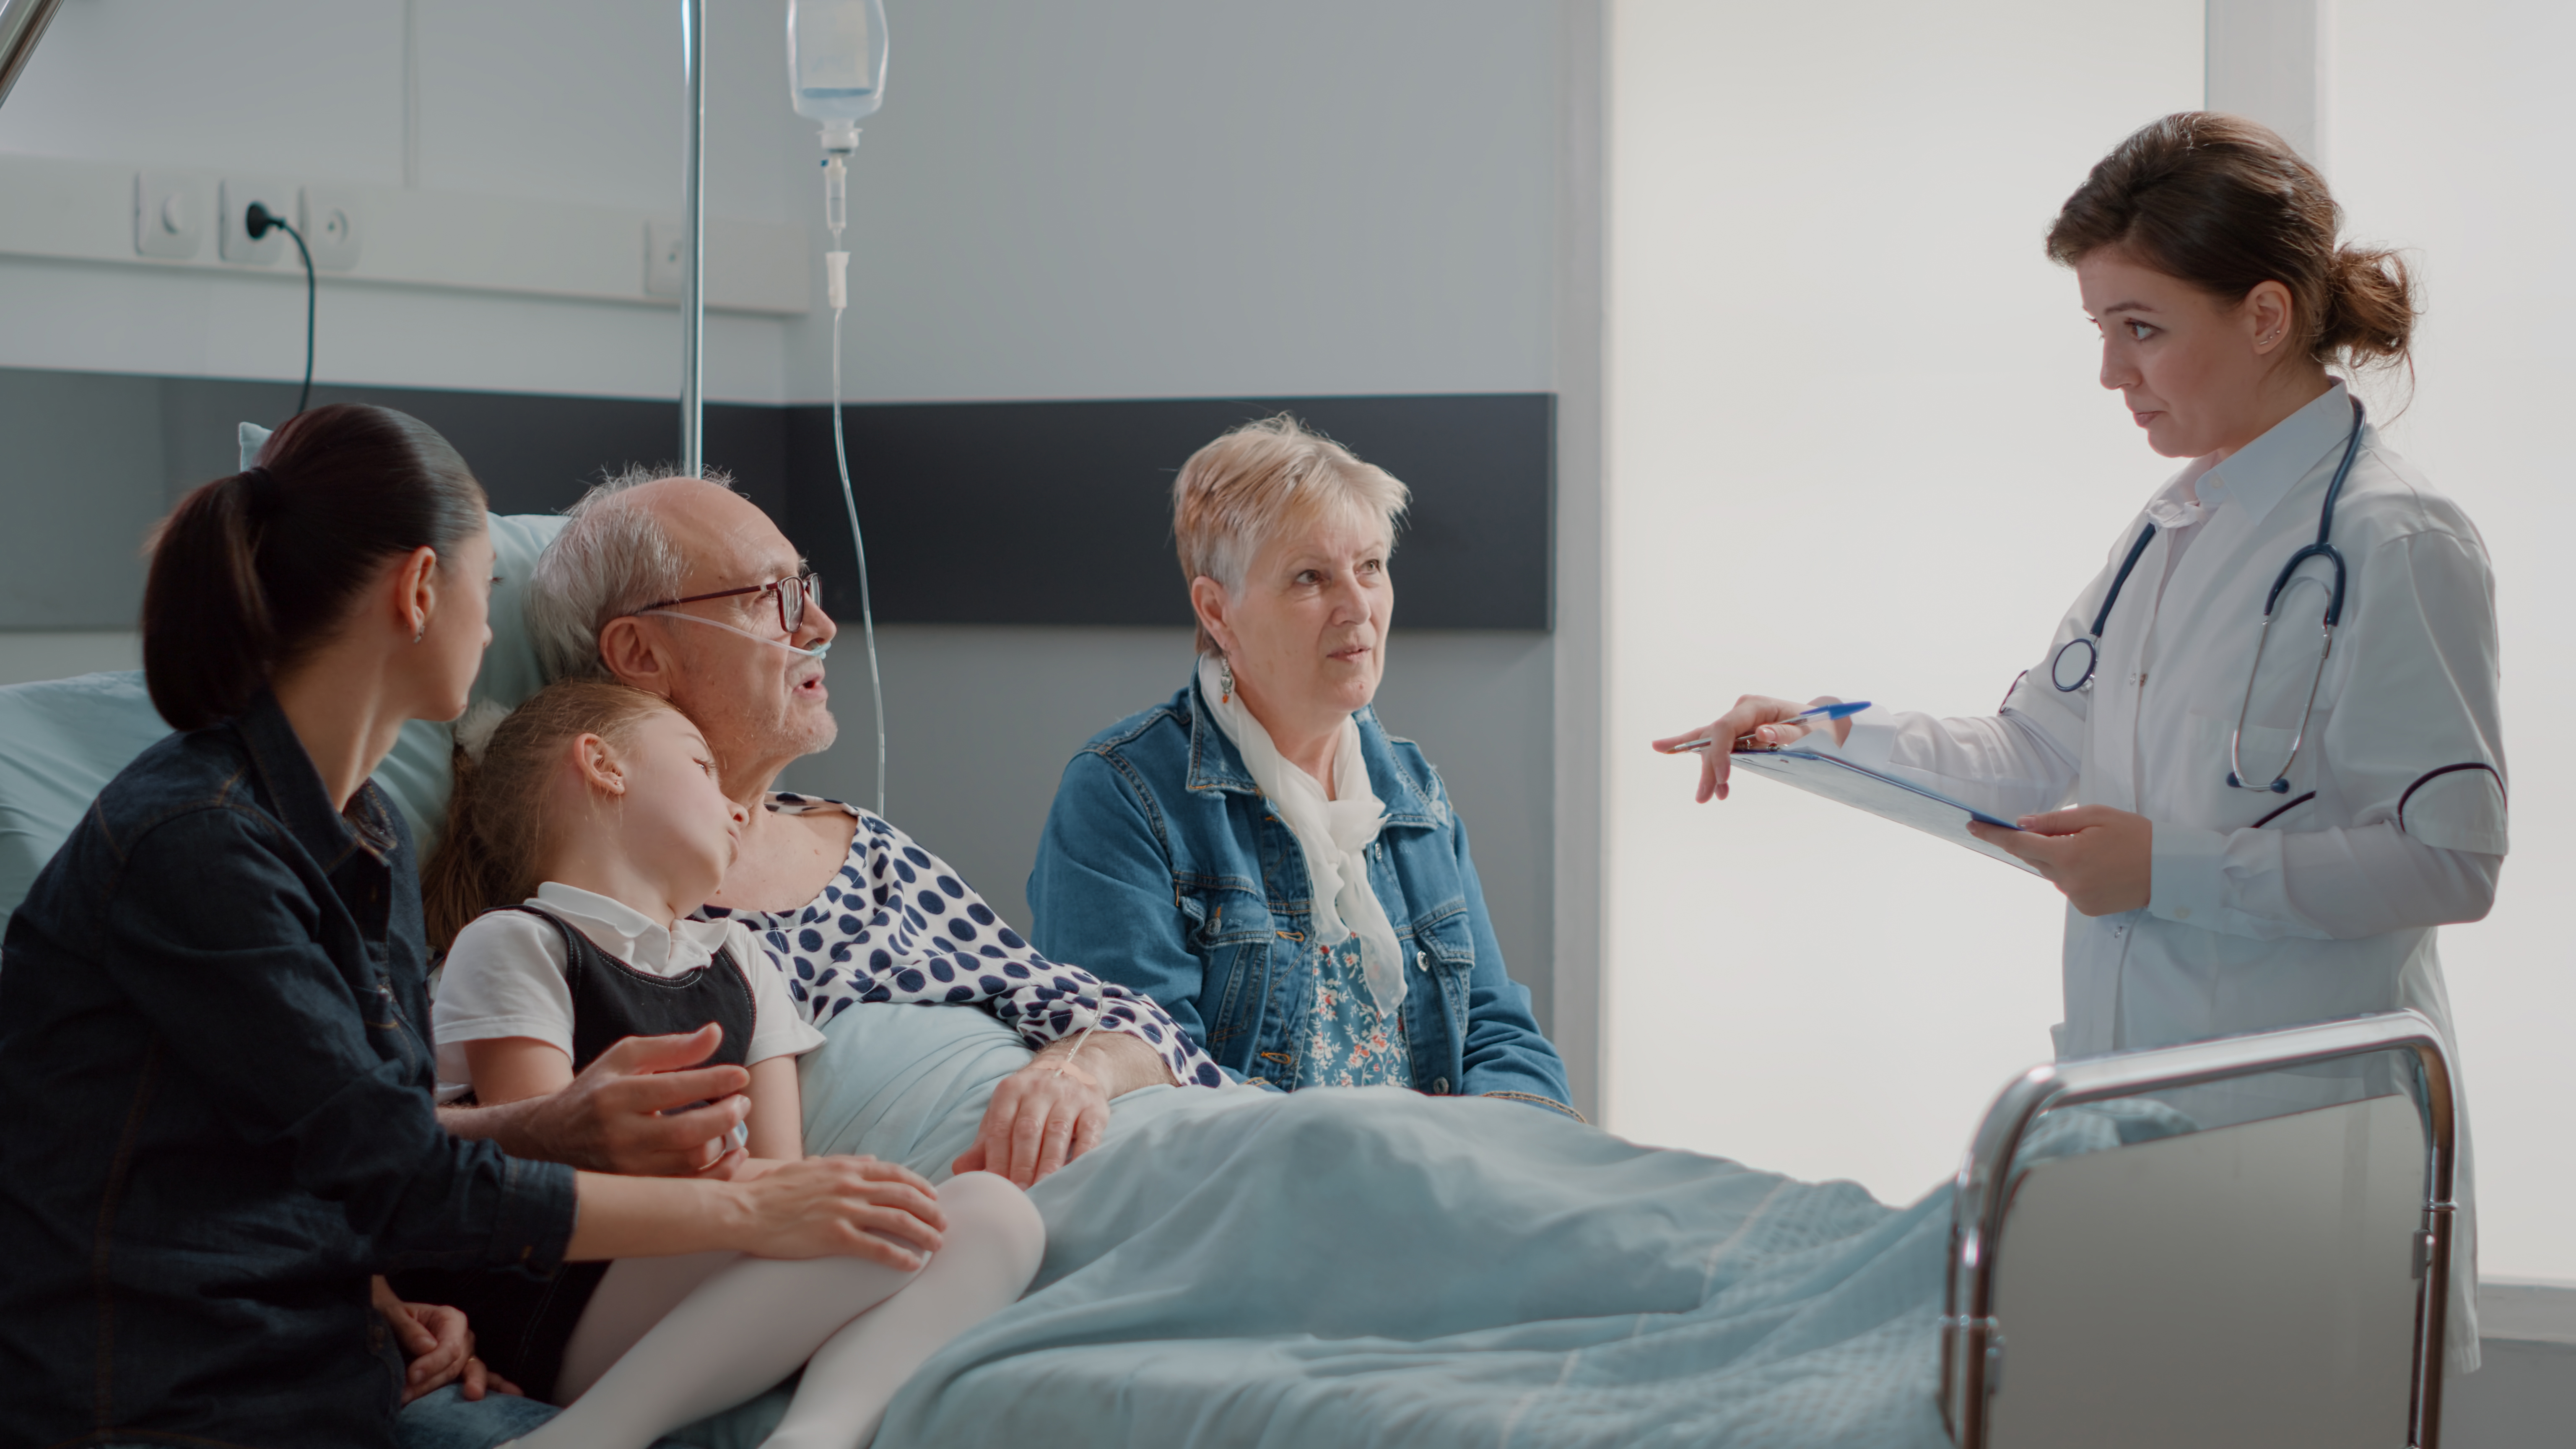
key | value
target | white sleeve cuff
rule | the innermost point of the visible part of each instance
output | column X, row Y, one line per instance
column 550, row 1030
column 2189, row 874
column 791, row 1038
column 778, row 1029
column 1872, row 741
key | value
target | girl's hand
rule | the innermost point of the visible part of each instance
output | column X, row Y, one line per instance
column 853, row 1207
column 1771, row 723
column 439, row 1344
column 2102, row 859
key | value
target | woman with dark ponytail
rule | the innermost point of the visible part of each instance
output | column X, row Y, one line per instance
column 217, row 1129
column 2261, row 755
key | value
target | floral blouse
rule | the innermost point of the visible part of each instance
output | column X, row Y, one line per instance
column 898, row 925
column 1343, row 1041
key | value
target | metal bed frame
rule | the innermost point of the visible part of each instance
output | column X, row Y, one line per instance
column 1972, row 1340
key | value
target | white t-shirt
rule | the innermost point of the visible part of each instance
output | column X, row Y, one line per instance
column 504, row 976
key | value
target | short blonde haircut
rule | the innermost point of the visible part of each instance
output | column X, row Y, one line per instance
column 1262, row 481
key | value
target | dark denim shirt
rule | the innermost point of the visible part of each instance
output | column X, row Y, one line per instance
column 1163, row 869
column 216, row 1117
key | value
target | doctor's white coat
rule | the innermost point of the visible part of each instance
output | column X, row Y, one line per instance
column 2267, row 909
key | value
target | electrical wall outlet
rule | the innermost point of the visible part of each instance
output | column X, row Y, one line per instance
column 329, row 220
column 237, row 245
column 170, row 214
column 666, row 257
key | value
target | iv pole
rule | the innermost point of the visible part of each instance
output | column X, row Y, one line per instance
column 22, row 24
column 693, row 275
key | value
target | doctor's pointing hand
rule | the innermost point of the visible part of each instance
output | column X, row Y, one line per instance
column 2260, row 753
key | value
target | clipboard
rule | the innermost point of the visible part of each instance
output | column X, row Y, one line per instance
column 1880, row 794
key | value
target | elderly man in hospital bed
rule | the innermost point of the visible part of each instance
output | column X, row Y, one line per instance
column 682, row 587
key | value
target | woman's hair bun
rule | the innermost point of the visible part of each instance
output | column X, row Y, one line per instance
column 2370, row 307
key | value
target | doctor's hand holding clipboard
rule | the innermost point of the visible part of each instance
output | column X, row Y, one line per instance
column 2097, row 856
column 2261, row 752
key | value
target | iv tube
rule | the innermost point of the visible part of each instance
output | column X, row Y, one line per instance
column 836, row 264
column 836, row 63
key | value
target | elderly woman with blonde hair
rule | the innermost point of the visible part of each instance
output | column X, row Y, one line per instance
column 1257, row 853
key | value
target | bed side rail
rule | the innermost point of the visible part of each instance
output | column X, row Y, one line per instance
column 1971, row 1339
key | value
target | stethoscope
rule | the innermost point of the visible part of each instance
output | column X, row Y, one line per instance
column 2073, row 667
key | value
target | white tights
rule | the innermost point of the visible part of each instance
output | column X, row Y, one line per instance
column 667, row 1341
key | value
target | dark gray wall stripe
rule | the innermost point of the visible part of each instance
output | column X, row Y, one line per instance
column 1060, row 512
column 977, row 513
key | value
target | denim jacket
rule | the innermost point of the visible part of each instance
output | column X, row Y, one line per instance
column 215, row 1112
column 1163, row 869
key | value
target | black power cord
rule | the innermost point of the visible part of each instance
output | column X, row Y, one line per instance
column 256, row 222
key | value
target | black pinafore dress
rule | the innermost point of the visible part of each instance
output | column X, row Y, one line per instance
column 522, row 1321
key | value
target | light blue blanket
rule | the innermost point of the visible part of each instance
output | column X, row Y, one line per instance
column 1373, row 1267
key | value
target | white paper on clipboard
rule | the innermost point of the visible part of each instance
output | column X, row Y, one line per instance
column 1882, row 795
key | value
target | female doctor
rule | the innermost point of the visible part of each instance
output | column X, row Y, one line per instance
column 2272, row 716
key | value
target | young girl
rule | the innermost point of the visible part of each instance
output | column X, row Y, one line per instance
column 596, row 805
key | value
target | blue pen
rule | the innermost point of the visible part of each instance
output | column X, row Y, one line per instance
column 1822, row 711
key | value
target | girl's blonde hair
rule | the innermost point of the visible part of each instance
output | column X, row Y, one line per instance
column 495, row 838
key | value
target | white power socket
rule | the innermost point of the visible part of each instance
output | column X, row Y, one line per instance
column 170, row 214
column 238, row 194
column 329, row 220
column 666, row 257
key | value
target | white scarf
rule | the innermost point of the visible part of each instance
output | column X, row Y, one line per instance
column 1335, row 835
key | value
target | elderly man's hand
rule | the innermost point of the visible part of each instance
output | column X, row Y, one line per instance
column 1048, row 1113
column 621, row 1114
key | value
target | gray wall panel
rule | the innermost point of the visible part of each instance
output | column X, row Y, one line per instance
column 83, row 488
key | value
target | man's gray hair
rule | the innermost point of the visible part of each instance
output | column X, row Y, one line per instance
column 612, row 559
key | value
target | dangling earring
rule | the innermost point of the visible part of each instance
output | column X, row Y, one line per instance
column 1224, row 680
column 419, row 629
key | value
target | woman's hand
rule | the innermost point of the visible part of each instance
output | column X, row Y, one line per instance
column 439, row 1344
column 1771, row 723
column 2102, row 859
column 854, row 1207
column 1042, row 1118
column 623, row 1113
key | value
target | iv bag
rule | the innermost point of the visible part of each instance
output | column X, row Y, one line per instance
column 836, row 58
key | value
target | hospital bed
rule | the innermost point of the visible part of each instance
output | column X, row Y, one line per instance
column 2276, row 1282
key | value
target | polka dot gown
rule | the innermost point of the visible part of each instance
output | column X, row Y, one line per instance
column 898, row 925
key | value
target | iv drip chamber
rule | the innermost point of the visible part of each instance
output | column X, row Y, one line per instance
column 836, row 59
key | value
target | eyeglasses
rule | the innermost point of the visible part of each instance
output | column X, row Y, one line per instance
column 792, row 593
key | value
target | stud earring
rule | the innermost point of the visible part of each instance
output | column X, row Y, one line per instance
column 1224, row 680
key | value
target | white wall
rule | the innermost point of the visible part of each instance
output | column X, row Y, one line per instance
column 1855, row 446
column 1184, row 198
column 577, row 102
column 1138, row 198
column 2448, row 134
